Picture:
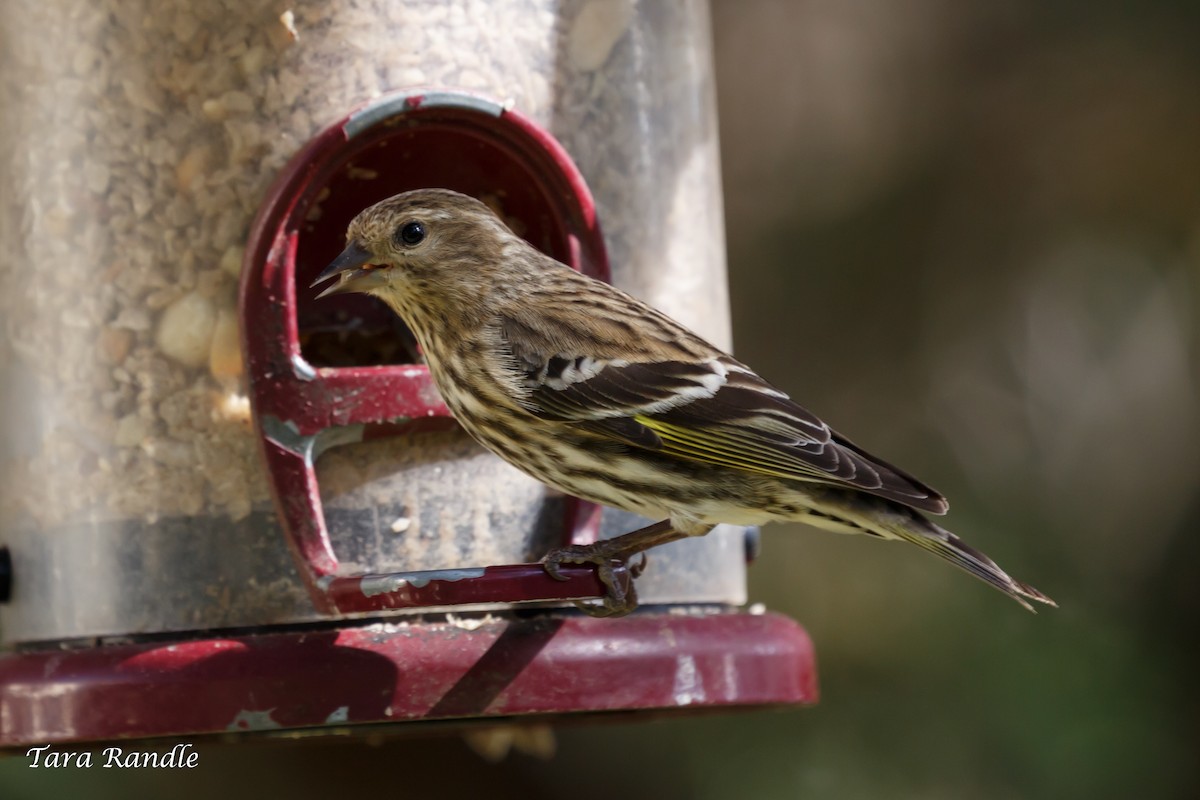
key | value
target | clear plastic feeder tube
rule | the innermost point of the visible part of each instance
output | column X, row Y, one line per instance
column 137, row 143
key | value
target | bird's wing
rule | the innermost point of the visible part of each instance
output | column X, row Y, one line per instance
column 711, row 410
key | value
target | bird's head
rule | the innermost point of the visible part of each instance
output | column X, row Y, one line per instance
column 431, row 248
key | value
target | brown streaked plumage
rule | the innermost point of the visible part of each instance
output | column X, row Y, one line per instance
column 597, row 394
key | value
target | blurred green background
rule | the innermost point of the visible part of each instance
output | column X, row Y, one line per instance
column 968, row 234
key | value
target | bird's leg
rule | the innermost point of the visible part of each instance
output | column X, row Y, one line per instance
column 608, row 553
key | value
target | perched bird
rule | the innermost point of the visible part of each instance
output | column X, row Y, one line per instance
column 599, row 395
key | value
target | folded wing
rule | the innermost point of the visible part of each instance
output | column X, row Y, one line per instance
column 713, row 410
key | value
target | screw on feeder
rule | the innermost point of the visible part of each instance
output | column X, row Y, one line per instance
column 753, row 542
column 6, row 575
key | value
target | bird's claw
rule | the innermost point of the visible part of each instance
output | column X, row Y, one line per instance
column 621, row 595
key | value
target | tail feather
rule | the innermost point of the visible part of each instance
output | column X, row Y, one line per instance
column 945, row 544
column 856, row 512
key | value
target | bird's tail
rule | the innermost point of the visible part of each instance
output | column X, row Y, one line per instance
column 890, row 520
column 943, row 543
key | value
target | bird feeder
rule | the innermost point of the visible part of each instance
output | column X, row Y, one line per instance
column 225, row 506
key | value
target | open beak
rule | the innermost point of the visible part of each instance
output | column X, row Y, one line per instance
column 354, row 267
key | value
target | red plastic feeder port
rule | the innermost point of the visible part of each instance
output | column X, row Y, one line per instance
column 308, row 395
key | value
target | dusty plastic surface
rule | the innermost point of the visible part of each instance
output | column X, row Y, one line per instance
column 134, row 153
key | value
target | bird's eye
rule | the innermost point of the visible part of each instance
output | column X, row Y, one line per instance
column 411, row 233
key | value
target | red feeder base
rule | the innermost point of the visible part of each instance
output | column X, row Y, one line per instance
column 404, row 671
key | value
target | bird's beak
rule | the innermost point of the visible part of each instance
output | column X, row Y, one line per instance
column 356, row 271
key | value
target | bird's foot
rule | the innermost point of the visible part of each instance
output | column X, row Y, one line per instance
column 608, row 556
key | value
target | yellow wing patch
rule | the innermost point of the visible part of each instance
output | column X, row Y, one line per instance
column 721, row 449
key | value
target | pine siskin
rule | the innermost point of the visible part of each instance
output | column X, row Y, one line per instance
column 595, row 393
